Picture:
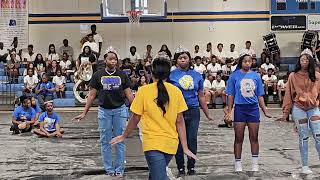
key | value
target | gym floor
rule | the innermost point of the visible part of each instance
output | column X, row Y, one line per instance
column 77, row 154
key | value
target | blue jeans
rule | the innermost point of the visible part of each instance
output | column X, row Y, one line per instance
column 304, row 129
column 191, row 119
column 157, row 163
column 112, row 123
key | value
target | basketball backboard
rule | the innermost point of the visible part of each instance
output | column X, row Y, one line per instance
column 118, row 8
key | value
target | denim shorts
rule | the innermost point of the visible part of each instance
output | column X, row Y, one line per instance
column 247, row 113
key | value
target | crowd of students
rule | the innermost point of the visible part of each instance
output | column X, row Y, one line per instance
column 215, row 65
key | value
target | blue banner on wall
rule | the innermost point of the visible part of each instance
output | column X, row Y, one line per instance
column 295, row 6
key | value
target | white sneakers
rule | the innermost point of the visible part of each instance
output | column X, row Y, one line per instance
column 238, row 166
column 306, row 170
column 255, row 167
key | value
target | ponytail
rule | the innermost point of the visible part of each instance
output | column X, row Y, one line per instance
column 163, row 96
column 161, row 71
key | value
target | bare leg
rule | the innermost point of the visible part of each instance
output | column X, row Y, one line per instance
column 274, row 85
column 39, row 133
column 253, row 137
column 239, row 128
column 208, row 96
column 266, row 87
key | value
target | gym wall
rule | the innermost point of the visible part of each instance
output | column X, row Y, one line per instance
column 244, row 20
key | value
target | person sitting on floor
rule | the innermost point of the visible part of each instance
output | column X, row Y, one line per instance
column 49, row 123
column 23, row 117
column 36, row 106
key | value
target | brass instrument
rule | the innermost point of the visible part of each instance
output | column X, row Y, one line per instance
column 83, row 74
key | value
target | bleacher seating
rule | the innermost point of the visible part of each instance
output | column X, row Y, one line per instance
column 287, row 64
column 64, row 102
column 2, row 72
column 69, row 101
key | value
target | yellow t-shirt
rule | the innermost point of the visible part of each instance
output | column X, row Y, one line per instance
column 159, row 131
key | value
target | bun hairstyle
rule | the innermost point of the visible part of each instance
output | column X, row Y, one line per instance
column 111, row 50
column 161, row 71
column 106, row 55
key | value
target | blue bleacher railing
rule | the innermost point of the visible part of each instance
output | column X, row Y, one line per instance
column 7, row 90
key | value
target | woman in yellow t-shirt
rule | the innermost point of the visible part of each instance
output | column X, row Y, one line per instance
column 159, row 107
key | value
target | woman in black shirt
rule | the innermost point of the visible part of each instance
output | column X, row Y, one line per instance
column 111, row 86
column 86, row 56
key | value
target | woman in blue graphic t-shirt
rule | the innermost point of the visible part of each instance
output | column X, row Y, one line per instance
column 245, row 90
column 190, row 83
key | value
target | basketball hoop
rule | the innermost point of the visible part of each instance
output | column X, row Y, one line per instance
column 134, row 16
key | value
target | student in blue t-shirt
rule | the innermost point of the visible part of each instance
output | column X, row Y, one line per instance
column 190, row 83
column 49, row 123
column 45, row 90
column 245, row 90
column 23, row 117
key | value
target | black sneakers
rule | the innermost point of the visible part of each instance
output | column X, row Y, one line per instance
column 14, row 130
column 181, row 173
column 191, row 172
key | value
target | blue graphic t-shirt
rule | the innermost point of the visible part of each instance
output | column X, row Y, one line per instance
column 48, row 85
column 20, row 112
column 50, row 121
column 189, row 82
column 245, row 87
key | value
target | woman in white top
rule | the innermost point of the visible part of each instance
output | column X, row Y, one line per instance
column 134, row 56
column 51, row 55
column 30, row 81
column 267, row 65
column 30, row 66
column 59, row 82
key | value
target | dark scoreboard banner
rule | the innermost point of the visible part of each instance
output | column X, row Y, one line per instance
column 295, row 6
column 288, row 23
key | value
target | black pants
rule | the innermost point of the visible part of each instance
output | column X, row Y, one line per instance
column 192, row 120
column 16, row 129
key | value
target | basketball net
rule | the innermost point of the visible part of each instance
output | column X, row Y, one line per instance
column 132, row 26
column 134, row 16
